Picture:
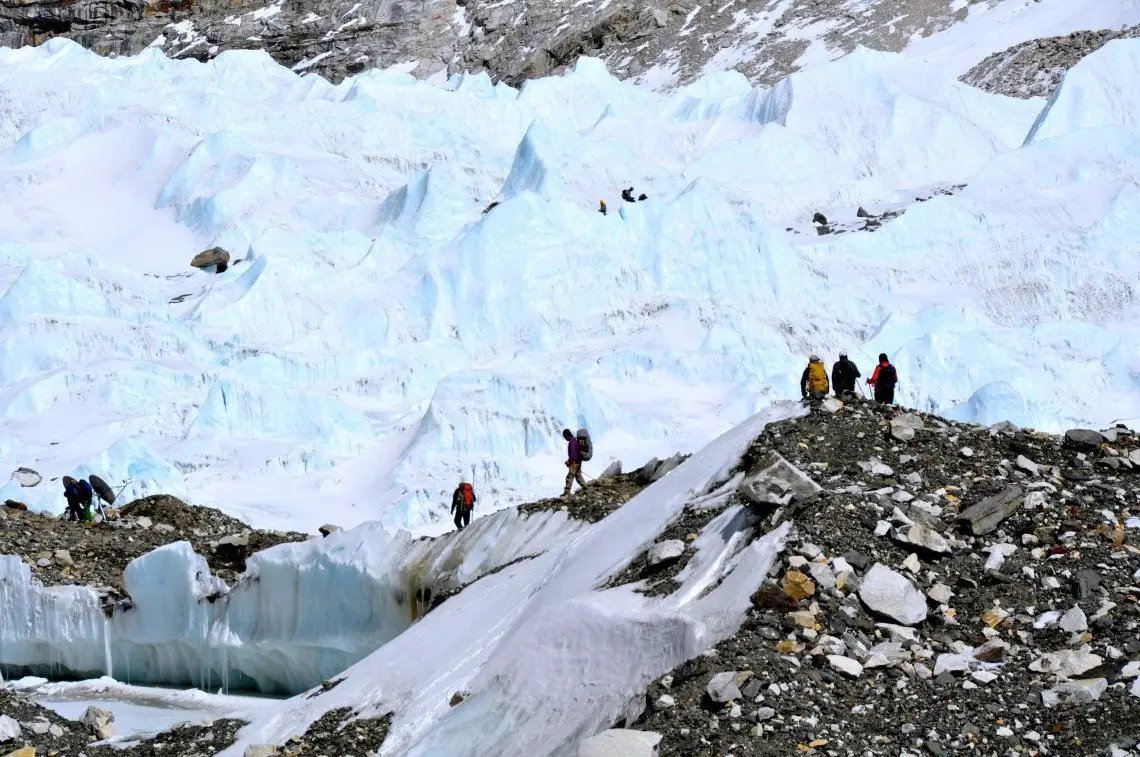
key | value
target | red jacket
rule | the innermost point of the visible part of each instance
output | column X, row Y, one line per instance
column 875, row 376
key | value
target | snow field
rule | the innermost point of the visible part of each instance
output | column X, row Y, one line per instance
column 379, row 335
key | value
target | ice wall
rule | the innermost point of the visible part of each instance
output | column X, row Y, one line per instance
column 382, row 330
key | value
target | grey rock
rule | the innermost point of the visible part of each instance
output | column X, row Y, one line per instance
column 1075, row 692
column 620, row 742
column 890, row 594
column 40, row 727
column 831, row 405
column 1027, row 465
column 324, row 530
column 26, row 477
column 986, row 515
column 966, row 452
column 665, row 553
column 164, row 527
column 819, row 218
column 613, row 470
column 99, row 723
column 55, row 731
column 922, row 537
column 644, row 474
column 845, row 665
column 903, row 427
column 1083, row 440
column 765, row 713
column 664, row 702
column 723, row 687
column 752, row 688
column 1085, row 583
column 260, row 750
column 666, row 466
column 1004, row 427
column 1074, row 621
column 144, row 522
column 63, row 557
column 775, row 481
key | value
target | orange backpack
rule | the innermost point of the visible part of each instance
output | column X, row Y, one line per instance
column 468, row 496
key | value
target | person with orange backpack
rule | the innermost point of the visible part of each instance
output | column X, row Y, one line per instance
column 883, row 380
column 814, row 381
column 462, row 503
column 578, row 448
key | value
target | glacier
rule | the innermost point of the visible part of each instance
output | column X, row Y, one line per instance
column 378, row 334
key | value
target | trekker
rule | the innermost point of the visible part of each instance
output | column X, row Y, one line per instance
column 627, row 195
column 883, row 380
column 462, row 503
column 78, row 495
column 602, row 207
column 573, row 462
column 843, row 375
column 814, row 380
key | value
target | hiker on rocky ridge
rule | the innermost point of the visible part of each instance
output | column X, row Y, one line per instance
column 814, row 383
column 844, row 375
column 462, row 503
column 573, row 462
column 78, row 495
column 883, row 380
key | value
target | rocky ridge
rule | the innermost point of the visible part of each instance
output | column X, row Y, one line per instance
column 953, row 588
column 1035, row 68
column 662, row 43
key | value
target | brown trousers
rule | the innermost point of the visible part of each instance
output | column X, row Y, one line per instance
column 573, row 473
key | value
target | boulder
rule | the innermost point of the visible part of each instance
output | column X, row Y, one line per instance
column 922, row 537
column 1067, row 663
column 1074, row 621
column 215, row 258
column 666, row 466
column 644, row 474
column 665, row 553
column 845, row 665
column 26, row 477
column 1083, row 439
column 725, row 687
column 99, row 723
column 832, row 405
column 1075, row 692
column 9, row 729
column 613, row 470
column 232, row 548
column 620, row 742
column 260, row 750
column 819, row 218
column 324, row 530
column 890, row 594
column 1027, row 465
column 991, row 511
column 775, row 481
column 903, row 427
column 14, row 505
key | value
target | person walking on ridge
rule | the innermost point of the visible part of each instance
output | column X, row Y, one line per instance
column 883, row 380
column 844, row 375
column 573, row 462
column 462, row 503
column 813, row 382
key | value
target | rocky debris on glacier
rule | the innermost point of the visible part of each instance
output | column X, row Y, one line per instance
column 510, row 42
column 604, row 495
column 96, row 554
column 338, row 732
column 44, row 732
column 1035, row 68
column 1021, row 639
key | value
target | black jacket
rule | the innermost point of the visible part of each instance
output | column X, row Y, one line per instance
column 843, row 376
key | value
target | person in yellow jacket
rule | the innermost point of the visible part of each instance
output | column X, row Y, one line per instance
column 814, row 382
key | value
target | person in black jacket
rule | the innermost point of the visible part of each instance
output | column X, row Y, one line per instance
column 843, row 375
column 462, row 503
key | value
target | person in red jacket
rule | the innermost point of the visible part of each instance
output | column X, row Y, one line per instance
column 462, row 503
column 883, row 380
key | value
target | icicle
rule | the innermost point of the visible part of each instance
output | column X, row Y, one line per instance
column 107, row 669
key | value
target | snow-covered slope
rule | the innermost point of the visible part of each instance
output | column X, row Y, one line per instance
column 382, row 335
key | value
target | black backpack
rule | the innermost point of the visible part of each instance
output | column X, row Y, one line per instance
column 888, row 376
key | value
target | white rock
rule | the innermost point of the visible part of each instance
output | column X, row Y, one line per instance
column 882, row 527
column 822, row 575
column 665, row 552
column 1034, row 500
column 1066, row 663
column 953, row 663
column 1074, row 621
column 99, row 723
column 912, row 564
column 889, row 593
column 998, row 553
column 260, row 750
column 723, row 688
column 765, row 713
column 664, row 702
column 845, row 665
column 1050, row 583
column 9, row 729
column 966, row 452
column 831, row 405
column 919, row 535
column 144, row 522
column 1027, row 465
column 877, row 467
column 620, row 742
column 1075, row 692
column 902, row 496
column 941, row 594
column 984, row 676
column 1004, row 732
